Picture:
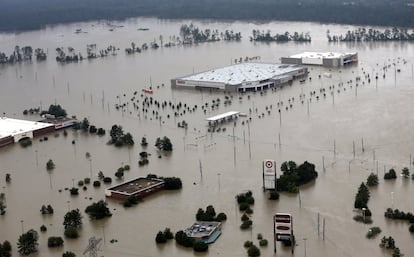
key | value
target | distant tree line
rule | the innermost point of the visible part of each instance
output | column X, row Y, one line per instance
column 35, row 14
column 192, row 34
column 21, row 54
column 370, row 34
column 263, row 36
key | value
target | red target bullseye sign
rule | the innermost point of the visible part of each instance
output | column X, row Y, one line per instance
column 269, row 174
column 269, row 164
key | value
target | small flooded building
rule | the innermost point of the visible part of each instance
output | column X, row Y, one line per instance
column 206, row 231
column 139, row 187
column 326, row 59
column 242, row 77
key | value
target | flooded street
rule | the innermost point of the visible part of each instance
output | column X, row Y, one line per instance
column 378, row 113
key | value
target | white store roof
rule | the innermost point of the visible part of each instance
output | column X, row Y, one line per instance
column 243, row 72
column 12, row 127
column 325, row 55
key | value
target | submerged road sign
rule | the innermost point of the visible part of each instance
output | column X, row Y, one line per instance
column 283, row 229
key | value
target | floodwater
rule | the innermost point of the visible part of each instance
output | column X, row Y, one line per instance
column 378, row 113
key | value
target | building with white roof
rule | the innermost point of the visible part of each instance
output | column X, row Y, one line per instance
column 14, row 130
column 327, row 59
column 242, row 77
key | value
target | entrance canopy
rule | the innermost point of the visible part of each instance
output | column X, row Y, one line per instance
column 223, row 116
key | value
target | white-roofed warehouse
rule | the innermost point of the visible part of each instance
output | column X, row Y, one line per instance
column 242, row 77
column 327, row 59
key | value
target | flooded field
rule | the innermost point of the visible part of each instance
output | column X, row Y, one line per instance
column 321, row 128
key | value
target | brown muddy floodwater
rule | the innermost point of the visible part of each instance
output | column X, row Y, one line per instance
column 380, row 113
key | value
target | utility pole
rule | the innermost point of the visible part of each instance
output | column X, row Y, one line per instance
column 353, row 148
column 318, row 224
column 218, row 180
column 362, row 144
column 250, row 150
column 234, row 148
column 304, row 242
column 37, row 160
column 280, row 143
column 90, row 167
column 201, row 170
column 280, row 118
column 323, row 163
column 323, row 229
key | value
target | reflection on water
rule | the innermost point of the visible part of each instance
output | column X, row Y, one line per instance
column 377, row 113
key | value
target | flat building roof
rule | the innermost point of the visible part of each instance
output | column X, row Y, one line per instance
column 324, row 55
column 136, row 185
column 201, row 229
column 12, row 127
column 242, row 72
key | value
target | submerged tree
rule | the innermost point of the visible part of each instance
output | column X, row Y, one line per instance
column 293, row 176
column 405, row 172
column 372, row 180
column 164, row 144
column 27, row 243
column 50, row 165
column 5, row 249
column 68, row 254
column 98, row 210
column 391, row 174
column 56, row 110
column 73, row 218
column 119, row 138
column 362, row 197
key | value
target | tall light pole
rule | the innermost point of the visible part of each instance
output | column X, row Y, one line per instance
column 90, row 166
column 280, row 118
column 37, row 160
column 21, row 222
column 304, row 244
column 103, row 232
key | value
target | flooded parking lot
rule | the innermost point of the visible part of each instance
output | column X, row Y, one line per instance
column 374, row 118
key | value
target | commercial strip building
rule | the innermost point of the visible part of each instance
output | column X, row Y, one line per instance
column 242, row 77
column 139, row 187
column 327, row 59
column 59, row 122
column 14, row 130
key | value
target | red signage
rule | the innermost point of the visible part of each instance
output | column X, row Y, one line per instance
column 282, row 228
column 282, row 218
